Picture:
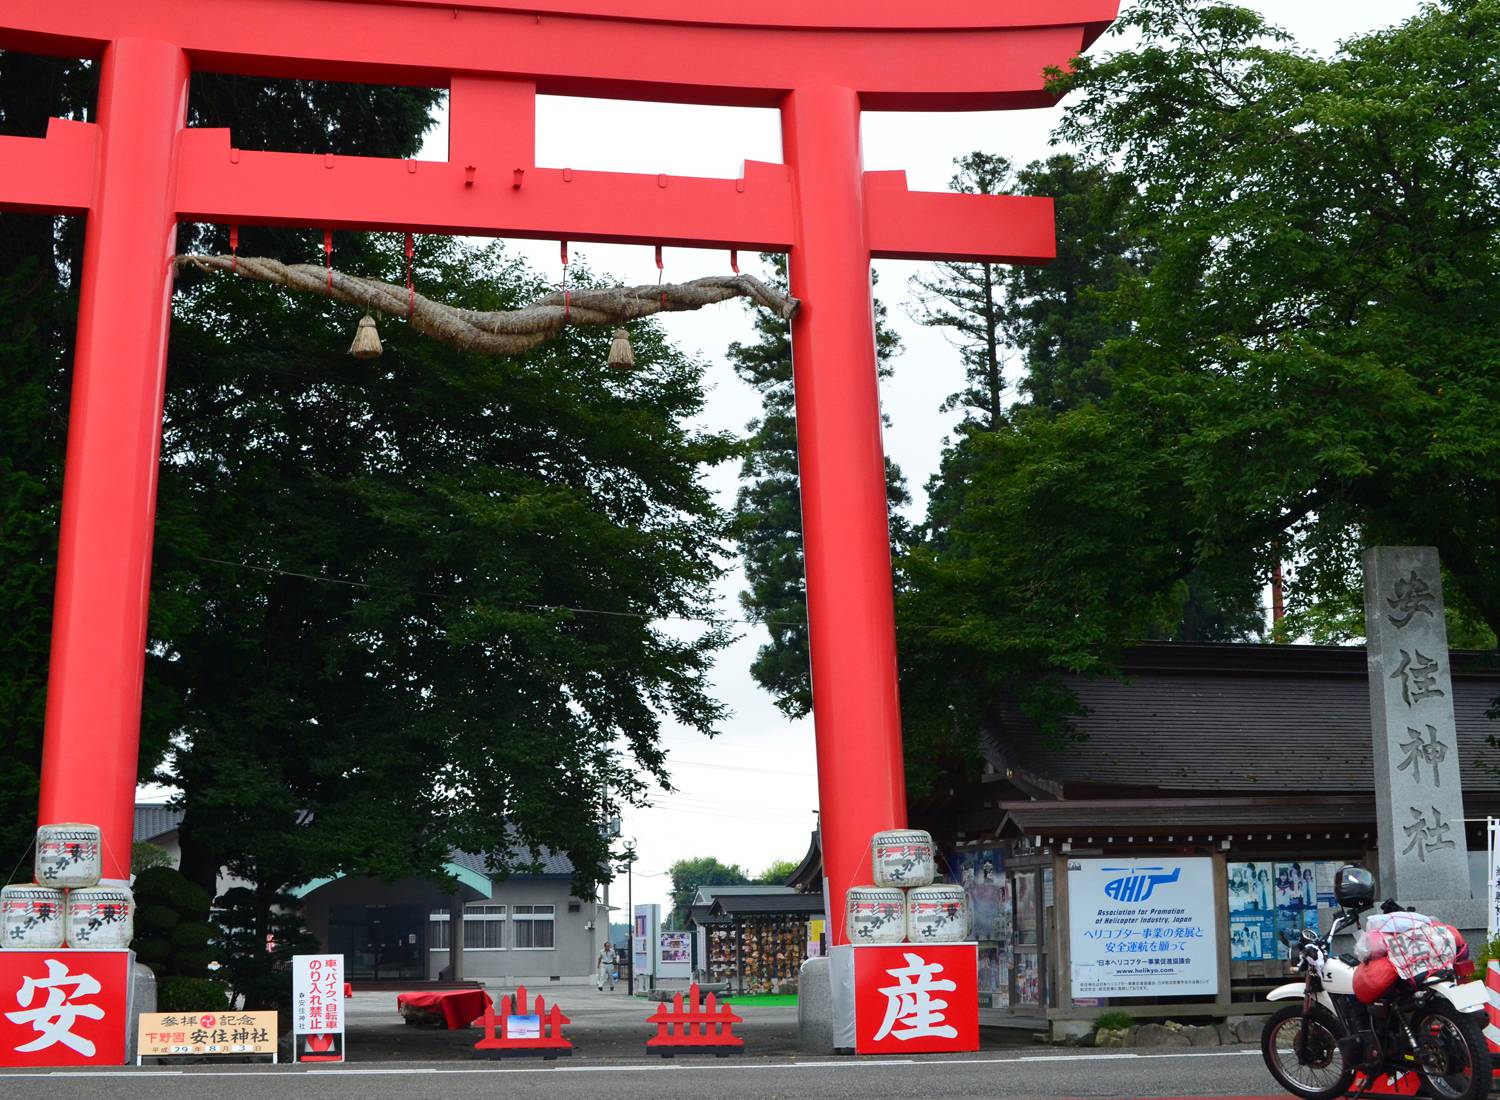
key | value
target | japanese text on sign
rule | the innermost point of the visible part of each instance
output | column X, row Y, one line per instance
column 1142, row 927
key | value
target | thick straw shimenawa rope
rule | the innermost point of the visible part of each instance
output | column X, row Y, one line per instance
column 503, row 332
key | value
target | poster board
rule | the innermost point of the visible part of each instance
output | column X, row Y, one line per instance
column 1252, row 912
column 645, row 922
column 1143, row 927
column 674, row 955
column 317, row 1008
column 178, row 1034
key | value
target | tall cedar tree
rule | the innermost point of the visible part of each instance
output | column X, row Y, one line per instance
column 768, row 508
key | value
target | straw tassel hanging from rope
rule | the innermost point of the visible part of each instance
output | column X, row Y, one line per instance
column 621, row 354
column 366, row 339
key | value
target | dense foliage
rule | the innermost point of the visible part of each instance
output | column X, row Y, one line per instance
column 689, row 874
column 1290, row 350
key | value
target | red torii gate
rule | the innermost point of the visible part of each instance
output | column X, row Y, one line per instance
column 138, row 170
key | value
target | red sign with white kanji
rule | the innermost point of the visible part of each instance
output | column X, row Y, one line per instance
column 916, row 998
column 63, row 1008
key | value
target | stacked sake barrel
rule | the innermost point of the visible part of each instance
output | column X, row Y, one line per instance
column 904, row 905
column 65, row 903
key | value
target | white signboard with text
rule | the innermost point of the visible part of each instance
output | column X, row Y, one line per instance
column 1143, row 927
column 318, row 1008
column 647, row 919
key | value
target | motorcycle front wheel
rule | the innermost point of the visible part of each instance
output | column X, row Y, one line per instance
column 1452, row 1056
column 1313, row 1066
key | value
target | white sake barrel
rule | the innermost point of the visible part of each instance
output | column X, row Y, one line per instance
column 68, row 856
column 31, row 916
column 100, row 917
column 903, row 857
column 937, row 914
column 875, row 914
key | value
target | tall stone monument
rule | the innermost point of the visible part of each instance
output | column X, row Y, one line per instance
column 1424, row 858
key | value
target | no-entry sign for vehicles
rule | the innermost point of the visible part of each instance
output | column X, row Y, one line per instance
column 318, row 1008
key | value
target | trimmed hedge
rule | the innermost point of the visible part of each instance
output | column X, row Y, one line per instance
column 191, row 995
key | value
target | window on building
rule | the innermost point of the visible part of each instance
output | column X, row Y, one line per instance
column 484, row 928
column 534, row 925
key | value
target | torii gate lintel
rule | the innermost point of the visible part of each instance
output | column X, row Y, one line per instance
column 138, row 170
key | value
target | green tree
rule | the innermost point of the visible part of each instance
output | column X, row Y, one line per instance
column 768, row 508
column 777, row 872
column 969, row 300
column 689, row 874
column 171, row 927
column 1309, row 357
column 410, row 604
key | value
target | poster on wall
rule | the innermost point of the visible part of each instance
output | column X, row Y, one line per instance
column 980, row 874
column 1028, row 980
column 1296, row 897
column 1252, row 912
column 674, row 955
column 1025, row 925
column 645, row 920
column 1143, row 927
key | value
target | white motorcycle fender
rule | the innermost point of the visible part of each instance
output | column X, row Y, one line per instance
column 1469, row 997
column 1294, row 991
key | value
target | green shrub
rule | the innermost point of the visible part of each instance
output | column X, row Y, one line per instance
column 172, row 931
column 156, row 918
column 191, row 995
column 1113, row 1021
column 187, row 938
column 1483, row 956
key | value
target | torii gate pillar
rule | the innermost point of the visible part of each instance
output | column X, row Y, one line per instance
column 90, row 754
column 841, row 465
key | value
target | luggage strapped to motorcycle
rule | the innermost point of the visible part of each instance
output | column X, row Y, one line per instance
column 1418, row 953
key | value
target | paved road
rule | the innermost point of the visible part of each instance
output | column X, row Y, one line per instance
column 1029, row 1076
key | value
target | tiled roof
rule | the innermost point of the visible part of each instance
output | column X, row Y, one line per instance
column 152, row 821
column 706, row 894
column 553, row 864
column 1240, row 718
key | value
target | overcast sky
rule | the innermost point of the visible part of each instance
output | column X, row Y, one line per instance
column 750, row 795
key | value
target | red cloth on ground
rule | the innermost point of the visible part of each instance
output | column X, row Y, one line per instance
column 458, row 1007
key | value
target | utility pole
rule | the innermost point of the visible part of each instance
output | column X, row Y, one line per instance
column 630, row 913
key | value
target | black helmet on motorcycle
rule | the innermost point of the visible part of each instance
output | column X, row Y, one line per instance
column 1354, row 888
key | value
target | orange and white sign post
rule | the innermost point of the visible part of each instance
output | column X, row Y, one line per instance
column 318, row 1008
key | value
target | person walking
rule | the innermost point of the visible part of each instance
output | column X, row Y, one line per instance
column 606, row 968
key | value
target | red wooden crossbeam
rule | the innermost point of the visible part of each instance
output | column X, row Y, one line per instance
column 978, row 55
column 697, row 1027
column 501, row 1034
column 54, row 174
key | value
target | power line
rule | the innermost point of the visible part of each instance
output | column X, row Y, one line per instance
column 717, row 620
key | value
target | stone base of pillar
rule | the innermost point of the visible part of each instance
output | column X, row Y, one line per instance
column 142, row 999
column 815, row 1007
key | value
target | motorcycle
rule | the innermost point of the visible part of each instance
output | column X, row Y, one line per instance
column 1425, row 1023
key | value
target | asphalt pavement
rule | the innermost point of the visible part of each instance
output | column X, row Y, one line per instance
column 389, row 1058
column 1024, row 1076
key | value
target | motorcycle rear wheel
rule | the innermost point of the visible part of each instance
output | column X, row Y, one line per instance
column 1324, row 1071
column 1452, row 1057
